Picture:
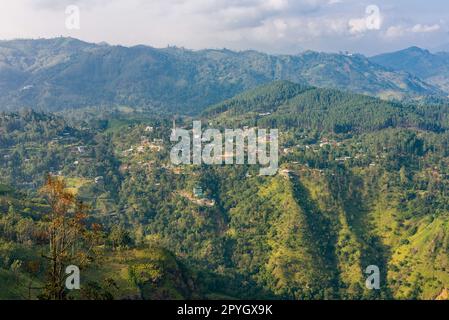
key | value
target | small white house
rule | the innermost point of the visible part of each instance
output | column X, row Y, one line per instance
column 99, row 180
column 81, row 149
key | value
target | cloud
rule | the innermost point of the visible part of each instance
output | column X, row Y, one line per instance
column 281, row 26
column 419, row 28
column 61, row 4
column 395, row 31
column 357, row 25
column 401, row 30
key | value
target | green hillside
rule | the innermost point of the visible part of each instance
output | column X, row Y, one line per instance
column 361, row 182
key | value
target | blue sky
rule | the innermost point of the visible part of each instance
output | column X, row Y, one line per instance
column 275, row 26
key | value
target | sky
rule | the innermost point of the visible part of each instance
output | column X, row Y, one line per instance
column 273, row 26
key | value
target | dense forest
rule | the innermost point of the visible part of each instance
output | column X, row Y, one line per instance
column 361, row 182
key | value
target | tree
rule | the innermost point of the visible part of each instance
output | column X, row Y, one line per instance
column 119, row 237
column 66, row 232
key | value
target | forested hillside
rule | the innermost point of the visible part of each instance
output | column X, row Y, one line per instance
column 361, row 182
column 65, row 73
column 287, row 105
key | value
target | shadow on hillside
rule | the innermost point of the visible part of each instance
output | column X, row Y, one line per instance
column 347, row 188
column 321, row 231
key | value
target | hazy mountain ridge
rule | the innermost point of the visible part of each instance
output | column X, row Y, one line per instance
column 63, row 73
column 431, row 67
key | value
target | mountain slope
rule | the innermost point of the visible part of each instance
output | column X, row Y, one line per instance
column 376, row 195
column 323, row 109
column 431, row 67
column 67, row 73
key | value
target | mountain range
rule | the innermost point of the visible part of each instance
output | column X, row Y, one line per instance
column 433, row 68
column 61, row 73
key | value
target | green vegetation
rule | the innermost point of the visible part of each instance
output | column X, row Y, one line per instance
column 361, row 182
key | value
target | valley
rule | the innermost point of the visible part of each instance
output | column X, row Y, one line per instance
column 361, row 181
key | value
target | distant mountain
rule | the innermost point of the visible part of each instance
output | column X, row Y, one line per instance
column 431, row 67
column 60, row 73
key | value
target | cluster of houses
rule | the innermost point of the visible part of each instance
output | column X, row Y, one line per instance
column 156, row 145
column 332, row 143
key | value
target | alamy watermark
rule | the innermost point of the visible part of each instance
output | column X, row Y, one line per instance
column 72, row 282
column 262, row 147
column 73, row 19
column 373, row 280
column 370, row 22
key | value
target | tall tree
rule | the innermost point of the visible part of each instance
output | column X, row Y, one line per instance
column 66, row 232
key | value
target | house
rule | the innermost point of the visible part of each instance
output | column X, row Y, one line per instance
column 81, row 149
column 149, row 129
column 28, row 87
column 99, row 180
column 198, row 192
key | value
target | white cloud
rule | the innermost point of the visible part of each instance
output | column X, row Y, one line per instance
column 395, row 31
column 402, row 30
column 276, row 4
column 190, row 23
column 357, row 25
column 419, row 28
column 268, row 25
